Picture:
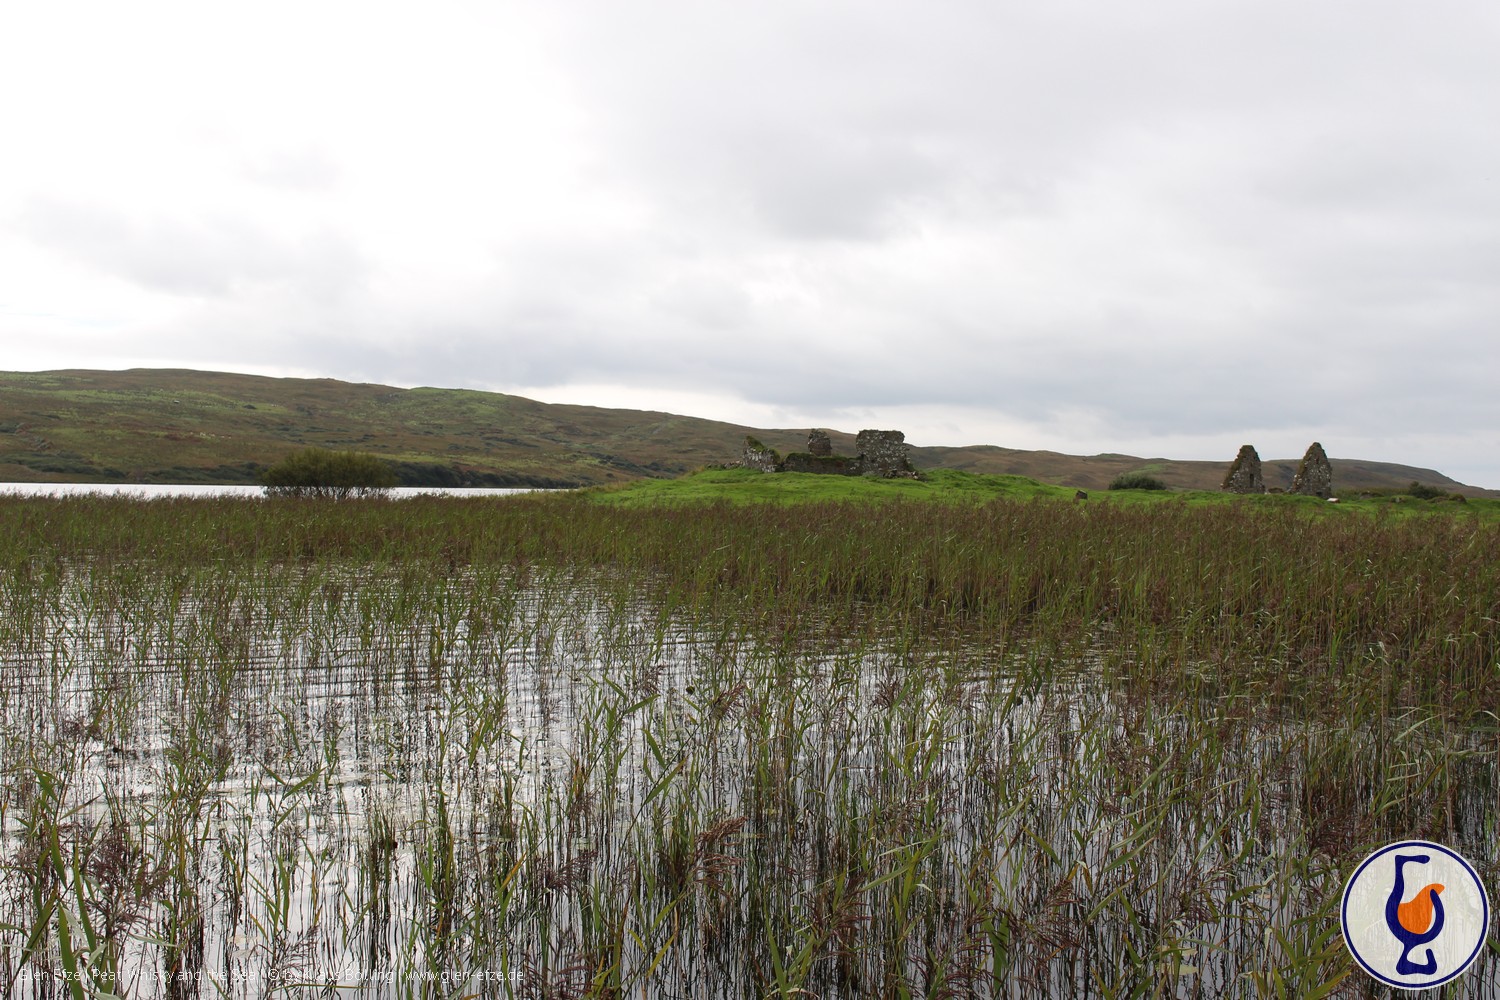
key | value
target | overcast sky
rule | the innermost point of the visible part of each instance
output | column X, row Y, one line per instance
column 1168, row 227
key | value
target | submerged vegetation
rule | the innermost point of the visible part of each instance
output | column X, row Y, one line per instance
column 595, row 745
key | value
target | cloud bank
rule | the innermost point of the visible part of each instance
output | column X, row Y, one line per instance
column 1164, row 228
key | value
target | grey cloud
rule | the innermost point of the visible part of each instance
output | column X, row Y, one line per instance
column 193, row 257
column 1183, row 217
column 307, row 170
column 780, row 104
column 847, row 188
column 714, row 304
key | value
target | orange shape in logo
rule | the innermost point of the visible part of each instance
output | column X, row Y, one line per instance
column 1416, row 916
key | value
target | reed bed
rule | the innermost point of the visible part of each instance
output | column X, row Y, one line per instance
column 536, row 747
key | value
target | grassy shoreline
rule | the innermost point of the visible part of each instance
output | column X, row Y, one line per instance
column 742, row 486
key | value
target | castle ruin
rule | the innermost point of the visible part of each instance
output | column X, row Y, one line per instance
column 881, row 454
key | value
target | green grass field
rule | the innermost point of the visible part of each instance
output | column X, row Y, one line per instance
column 746, row 486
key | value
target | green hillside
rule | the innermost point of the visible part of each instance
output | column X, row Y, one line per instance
column 179, row 426
column 189, row 426
column 1095, row 472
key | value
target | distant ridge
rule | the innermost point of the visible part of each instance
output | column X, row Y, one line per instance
column 1096, row 471
column 184, row 426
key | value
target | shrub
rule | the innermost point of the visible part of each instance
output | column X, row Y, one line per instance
column 1421, row 491
column 317, row 472
column 1136, row 481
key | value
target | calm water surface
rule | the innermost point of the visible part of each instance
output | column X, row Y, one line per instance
column 155, row 490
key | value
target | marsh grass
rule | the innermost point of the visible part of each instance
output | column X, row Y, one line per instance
column 544, row 748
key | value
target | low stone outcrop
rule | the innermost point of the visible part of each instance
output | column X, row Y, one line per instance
column 1244, row 474
column 1314, row 476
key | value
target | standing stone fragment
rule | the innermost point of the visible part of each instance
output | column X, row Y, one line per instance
column 1314, row 476
column 1244, row 474
column 818, row 443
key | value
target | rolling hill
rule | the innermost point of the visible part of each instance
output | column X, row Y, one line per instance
column 181, row 426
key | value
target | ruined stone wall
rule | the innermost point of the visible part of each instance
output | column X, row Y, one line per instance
column 1244, row 473
column 1314, row 476
column 883, row 453
column 758, row 456
column 828, row 465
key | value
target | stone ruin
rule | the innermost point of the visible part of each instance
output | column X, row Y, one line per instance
column 758, row 456
column 881, row 453
column 1314, row 476
column 1244, row 474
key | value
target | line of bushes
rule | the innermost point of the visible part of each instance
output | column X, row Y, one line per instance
column 1136, row 481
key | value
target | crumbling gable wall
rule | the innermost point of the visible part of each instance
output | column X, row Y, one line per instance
column 1244, row 473
column 1314, row 476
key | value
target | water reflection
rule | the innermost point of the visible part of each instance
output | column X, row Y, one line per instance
column 362, row 779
